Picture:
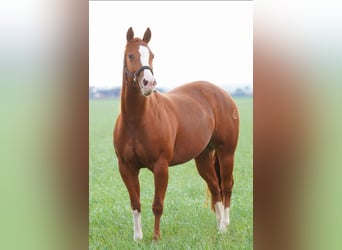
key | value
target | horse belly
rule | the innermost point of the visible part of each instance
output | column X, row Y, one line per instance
column 189, row 145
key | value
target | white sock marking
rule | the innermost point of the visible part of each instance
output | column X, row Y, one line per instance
column 226, row 220
column 138, row 235
column 222, row 216
column 219, row 214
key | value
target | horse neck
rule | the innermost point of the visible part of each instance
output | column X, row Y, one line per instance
column 132, row 103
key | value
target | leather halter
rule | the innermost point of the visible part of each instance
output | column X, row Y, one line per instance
column 134, row 75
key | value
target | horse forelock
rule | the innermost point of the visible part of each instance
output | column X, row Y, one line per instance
column 135, row 42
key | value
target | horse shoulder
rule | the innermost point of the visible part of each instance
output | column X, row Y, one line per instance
column 117, row 130
column 122, row 140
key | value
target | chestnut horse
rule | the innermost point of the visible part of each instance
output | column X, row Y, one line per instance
column 195, row 121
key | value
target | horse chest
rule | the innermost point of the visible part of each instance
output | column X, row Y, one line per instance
column 145, row 142
column 140, row 151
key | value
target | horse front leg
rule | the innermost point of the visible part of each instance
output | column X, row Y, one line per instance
column 129, row 175
column 161, row 175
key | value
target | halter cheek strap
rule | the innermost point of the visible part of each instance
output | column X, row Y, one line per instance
column 134, row 75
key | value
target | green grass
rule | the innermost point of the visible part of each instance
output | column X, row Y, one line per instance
column 186, row 222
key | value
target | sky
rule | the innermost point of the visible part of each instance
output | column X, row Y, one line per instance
column 191, row 41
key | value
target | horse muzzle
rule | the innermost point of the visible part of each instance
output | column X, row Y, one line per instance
column 147, row 86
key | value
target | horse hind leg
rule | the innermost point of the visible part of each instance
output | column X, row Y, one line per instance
column 205, row 166
column 226, row 164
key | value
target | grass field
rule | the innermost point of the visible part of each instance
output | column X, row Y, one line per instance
column 186, row 222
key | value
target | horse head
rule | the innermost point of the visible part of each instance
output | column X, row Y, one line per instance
column 138, row 62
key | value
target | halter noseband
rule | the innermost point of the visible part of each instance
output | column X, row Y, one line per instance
column 134, row 75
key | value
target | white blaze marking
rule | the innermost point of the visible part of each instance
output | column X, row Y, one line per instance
column 138, row 235
column 144, row 55
column 144, row 59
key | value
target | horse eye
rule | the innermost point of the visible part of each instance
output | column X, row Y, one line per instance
column 131, row 57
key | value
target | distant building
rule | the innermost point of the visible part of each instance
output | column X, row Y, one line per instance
column 115, row 92
column 107, row 93
column 246, row 91
column 104, row 93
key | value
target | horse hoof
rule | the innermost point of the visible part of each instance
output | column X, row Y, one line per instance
column 222, row 228
column 138, row 238
column 156, row 238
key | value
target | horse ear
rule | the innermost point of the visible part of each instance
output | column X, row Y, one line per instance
column 147, row 35
column 130, row 34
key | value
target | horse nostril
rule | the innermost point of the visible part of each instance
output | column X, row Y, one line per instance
column 145, row 82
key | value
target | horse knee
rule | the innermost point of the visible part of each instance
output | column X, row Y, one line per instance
column 215, row 193
column 227, row 193
column 227, row 189
column 135, row 205
column 228, row 185
column 157, row 209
